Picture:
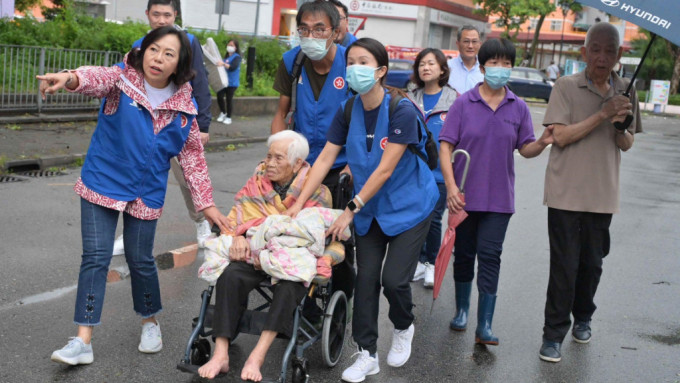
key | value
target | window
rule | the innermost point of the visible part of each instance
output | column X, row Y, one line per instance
column 533, row 23
column 556, row 25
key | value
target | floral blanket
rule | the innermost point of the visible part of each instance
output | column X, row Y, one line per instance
column 288, row 248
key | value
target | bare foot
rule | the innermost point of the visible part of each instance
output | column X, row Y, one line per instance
column 214, row 366
column 251, row 370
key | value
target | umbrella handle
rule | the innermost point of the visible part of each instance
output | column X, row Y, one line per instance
column 465, row 169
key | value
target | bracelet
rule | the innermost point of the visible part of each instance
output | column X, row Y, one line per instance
column 361, row 202
column 70, row 76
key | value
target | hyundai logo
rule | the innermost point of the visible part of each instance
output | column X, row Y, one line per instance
column 611, row 3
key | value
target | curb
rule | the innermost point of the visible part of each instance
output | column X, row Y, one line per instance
column 173, row 259
column 43, row 163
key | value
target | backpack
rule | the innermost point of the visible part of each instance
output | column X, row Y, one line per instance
column 432, row 159
column 294, row 77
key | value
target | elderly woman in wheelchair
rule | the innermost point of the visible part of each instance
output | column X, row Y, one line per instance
column 258, row 247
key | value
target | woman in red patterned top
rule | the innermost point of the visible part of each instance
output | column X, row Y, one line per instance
column 147, row 117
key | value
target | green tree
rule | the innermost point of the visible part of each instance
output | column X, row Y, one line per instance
column 23, row 5
column 661, row 61
column 512, row 14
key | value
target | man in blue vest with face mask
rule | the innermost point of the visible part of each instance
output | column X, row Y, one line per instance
column 320, row 89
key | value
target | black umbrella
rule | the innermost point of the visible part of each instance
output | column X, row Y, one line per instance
column 659, row 17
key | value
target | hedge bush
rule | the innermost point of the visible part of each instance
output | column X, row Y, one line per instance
column 673, row 99
column 71, row 30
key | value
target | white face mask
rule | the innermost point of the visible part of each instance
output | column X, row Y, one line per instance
column 315, row 49
column 231, row 49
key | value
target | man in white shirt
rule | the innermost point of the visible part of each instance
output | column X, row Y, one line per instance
column 465, row 73
column 553, row 71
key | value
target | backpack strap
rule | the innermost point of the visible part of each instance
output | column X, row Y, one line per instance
column 294, row 77
column 394, row 102
column 347, row 112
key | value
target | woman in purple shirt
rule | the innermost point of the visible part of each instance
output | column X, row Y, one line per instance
column 489, row 122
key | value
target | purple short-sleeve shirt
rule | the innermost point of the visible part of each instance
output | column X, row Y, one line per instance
column 490, row 137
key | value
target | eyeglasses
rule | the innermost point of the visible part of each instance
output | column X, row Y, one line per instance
column 317, row 32
column 470, row 42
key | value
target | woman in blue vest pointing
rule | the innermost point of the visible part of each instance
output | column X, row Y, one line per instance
column 395, row 193
column 147, row 117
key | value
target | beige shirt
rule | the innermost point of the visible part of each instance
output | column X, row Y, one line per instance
column 584, row 175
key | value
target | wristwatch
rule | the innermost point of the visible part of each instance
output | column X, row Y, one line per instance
column 353, row 207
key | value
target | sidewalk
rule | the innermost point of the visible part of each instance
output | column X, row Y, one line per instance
column 26, row 145
column 669, row 110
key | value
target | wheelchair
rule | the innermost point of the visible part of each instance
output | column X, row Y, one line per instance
column 333, row 303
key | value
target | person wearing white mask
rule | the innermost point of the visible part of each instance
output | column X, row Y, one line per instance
column 320, row 88
column 395, row 194
column 489, row 122
column 225, row 97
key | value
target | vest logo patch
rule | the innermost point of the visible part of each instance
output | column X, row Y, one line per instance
column 185, row 121
column 339, row 83
column 383, row 143
column 443, row 116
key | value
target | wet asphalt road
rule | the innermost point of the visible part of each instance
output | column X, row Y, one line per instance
column 636, row 329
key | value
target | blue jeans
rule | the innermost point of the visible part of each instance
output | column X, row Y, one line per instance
column 480, row 236
column 428, row 254
column 98, row 228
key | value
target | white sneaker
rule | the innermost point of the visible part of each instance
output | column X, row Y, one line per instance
column 227, row 120
column 74, row 353
column 401, row 347
column 364, row 365
column 429, row 275
column 203, row 232
column 420, row 272
column 151, row 340
column 221, row 117
column 119, row 246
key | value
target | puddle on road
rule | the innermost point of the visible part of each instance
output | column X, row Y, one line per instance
column 482, row 356
column 672, row 339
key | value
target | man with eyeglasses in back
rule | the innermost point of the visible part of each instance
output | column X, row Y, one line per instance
column 465, row 73
column 344, row 37
column 320, row 89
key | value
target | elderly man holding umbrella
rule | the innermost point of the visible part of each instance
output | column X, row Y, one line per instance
column 582, row 183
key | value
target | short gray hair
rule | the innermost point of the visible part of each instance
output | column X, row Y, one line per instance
column 298, row 147
column 606, row 29
column 468, row 27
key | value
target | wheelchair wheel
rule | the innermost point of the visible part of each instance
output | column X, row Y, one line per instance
column 200, row 352
column 300, row 371
column 333, row 331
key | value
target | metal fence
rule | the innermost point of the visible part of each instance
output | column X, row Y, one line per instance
column 19, row 90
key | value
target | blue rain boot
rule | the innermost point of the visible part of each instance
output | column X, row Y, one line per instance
column 486, row 306
column 459, row 322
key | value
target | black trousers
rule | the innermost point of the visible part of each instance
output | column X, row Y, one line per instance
column 578, row 243
column 225, row 99
column 231, row 300
column 400, row 255
column 343, row 273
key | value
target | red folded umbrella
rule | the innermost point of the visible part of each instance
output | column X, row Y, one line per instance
column 446, row 249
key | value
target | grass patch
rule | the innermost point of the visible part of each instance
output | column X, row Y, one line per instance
column 14, row 127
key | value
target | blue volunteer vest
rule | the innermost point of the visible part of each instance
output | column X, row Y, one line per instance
column 234, row 75
column 313, row 118
column 408, row 196
column 435, row 122
column 126, row 160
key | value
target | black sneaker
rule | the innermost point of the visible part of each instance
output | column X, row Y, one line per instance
column 550, row 351
column 581, row 332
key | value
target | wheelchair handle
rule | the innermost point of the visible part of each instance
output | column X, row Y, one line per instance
column 465, row 169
